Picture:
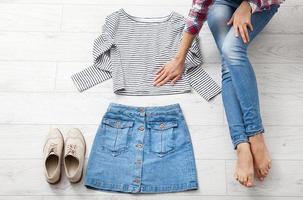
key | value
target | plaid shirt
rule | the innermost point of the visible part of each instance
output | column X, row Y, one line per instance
column 198, row 12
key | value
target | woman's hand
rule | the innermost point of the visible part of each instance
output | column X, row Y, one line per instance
column 171, row 71
column 241, row 19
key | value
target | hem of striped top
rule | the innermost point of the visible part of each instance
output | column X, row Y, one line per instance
column 89, row 77
column 215, row 90
column 148, row 93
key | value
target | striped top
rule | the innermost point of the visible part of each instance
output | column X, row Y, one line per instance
column 131, row 49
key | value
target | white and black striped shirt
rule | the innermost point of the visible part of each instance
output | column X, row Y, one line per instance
column 131, row 49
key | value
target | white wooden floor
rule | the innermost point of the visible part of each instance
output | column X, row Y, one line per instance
column 42, row 42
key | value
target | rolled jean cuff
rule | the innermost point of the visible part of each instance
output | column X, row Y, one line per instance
column 239, row 139
column 252, row 133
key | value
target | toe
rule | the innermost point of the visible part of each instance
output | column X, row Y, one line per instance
column 245, row 180
column 258, row 173
column 263, row 171
column 237, row 177
column 241, row 180
column 269, row 165
column 266, row 172
column 250, row 181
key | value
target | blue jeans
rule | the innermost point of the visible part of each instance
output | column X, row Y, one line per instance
column 239, row 85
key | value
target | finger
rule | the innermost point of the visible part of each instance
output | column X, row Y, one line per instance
column 159, row 70
column 236, row 31
column 161, row 78
column 246, row 33
column 250, row 26
column 230, row 20
column 159, row 75
column 175, row 79
column 242, row 34
column 163, row 82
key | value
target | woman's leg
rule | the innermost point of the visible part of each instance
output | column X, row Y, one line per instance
column 234, row 53
column 218, row 16
column 237, row 119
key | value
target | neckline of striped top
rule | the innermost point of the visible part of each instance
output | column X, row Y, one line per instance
column 160, row 19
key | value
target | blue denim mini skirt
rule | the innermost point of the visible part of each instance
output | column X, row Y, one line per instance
column 142, row 150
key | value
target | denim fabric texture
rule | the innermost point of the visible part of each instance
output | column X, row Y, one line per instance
column 239, row 84
column 142, row 150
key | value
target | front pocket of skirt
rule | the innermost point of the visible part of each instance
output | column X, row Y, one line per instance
column 162, row 138
column 114, row 135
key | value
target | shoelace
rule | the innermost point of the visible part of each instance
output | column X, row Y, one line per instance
column 71, row 149
column 52, row 148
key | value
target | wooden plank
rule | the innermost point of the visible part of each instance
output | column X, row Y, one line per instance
column 70, row 108
column 30, row 17
column 167, row 196
column 282, row 109
column 96, row 2
column 272, row 78
column 210, row 142
column 90, row 18
column 65, row 83
column 265, row 48
column 121, row 2
column 45, row 46
column 278, row 109
column 41, row 46
column 27, row 76
column 40, row 76
column 13, row 174
column 214, row 142
column 279, row 78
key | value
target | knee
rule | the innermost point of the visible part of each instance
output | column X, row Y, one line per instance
column 217, row 17
column 233, row 50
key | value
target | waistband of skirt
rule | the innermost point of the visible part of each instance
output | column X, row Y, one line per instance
column 131, row 108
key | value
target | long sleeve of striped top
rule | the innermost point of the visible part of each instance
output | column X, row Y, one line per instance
column 131, row 49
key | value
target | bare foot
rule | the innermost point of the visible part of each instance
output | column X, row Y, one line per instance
column 262, row 160
column 244, row 172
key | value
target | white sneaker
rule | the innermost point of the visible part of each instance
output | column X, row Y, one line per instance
column 74, row 155
column 52, row 152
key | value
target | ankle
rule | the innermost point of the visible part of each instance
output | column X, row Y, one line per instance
column 256, row 138
column 243, row 147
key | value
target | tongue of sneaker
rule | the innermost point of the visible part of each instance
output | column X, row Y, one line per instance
column 52, row 153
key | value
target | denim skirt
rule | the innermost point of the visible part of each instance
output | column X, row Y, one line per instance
column 142, row 150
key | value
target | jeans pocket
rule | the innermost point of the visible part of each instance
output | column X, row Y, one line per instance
column 162, row 139
column 114, row 135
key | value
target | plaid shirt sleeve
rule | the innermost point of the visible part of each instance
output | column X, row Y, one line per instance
column 197, row 15
column 265, row 4
column 199, row 9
